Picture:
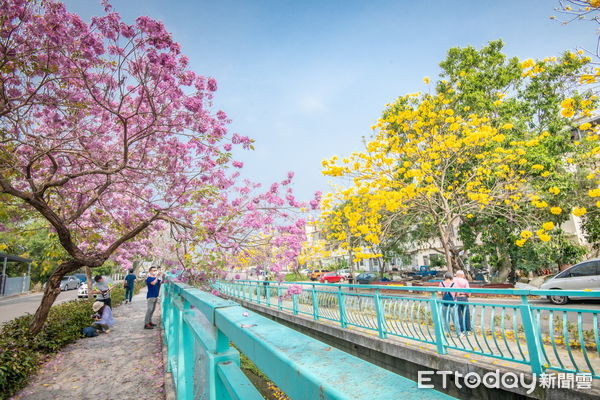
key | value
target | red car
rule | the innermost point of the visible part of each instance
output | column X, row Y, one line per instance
column 331, row 277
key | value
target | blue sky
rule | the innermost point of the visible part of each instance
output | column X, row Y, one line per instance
column 307, row 79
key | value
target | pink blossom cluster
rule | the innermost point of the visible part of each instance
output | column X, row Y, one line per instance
column 111, row 137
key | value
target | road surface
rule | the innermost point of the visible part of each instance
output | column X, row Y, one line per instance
column 13, row 307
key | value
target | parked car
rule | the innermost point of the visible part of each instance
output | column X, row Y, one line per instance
column 83, row 288
column 83, row 291
column 366, row 278
column 315, row 274
column 69, row 282
column 344, row 272
column 331, row 277
column 81, row 277
column 585, row 275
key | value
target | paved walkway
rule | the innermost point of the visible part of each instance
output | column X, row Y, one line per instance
column 126, row 363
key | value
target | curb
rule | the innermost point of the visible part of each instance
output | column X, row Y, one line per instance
column 13, row 296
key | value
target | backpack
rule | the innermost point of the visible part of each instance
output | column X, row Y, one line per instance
column 447, row 296
column 90, row 331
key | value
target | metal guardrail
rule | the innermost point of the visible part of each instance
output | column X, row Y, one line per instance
column 198, row 330
column 544, row 338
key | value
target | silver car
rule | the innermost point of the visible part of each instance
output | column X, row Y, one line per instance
column 69, row 282
column 585, row 275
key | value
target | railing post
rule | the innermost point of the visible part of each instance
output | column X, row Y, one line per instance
column 279, row 297
column 165, row 312
column 315, row 304
column 438, row 326
column 268, row 294
column 185, row 361
column 222, row 344
column 295, row 304
column 342, row 307
column 533, row 341
column 380, row 316
column 258, row 285
column 172, row 340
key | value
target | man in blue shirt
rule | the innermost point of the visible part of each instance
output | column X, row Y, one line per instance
column 153, row 283
column 129, row 285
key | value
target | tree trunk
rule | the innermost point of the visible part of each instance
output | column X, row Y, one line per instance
column 447, row 256
column 444, row 238
column 504, row 266
column 88, row 276
column 351, row 261
column 50, row 293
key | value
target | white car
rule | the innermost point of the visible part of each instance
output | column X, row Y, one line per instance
column 83, row 289
column 585, row 275
column 344, row 272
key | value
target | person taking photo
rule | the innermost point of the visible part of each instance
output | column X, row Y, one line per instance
column 153, row 283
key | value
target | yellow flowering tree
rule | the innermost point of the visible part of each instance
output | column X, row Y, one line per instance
column 315, row 250
column 344, row 226
column 461, row 152
column 586, row 10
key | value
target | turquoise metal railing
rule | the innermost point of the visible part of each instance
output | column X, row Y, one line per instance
column 563, row 339
column 198, row 330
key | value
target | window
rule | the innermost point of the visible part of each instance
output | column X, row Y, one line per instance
column 587, row 269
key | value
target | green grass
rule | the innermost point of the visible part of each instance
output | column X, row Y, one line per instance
column 294, row 277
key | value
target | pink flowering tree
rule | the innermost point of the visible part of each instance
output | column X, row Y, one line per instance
column 245, row 226
column 106, row 133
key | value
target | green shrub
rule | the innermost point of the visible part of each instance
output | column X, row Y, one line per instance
column 22, row 353
column 18, row 359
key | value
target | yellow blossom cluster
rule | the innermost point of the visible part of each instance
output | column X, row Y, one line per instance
column 313, row 251
column 427, row 159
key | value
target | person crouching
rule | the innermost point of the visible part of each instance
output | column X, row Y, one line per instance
column 103, row 318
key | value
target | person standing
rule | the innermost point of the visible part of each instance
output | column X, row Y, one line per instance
column 129, row 285
column 153, row 283
column 266, row 283
column 102, row 291
column 448, row 307
column 464, row 316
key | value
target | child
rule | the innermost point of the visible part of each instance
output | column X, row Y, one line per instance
column 103, row 319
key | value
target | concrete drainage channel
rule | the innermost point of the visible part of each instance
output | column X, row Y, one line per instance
column 407, row 361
